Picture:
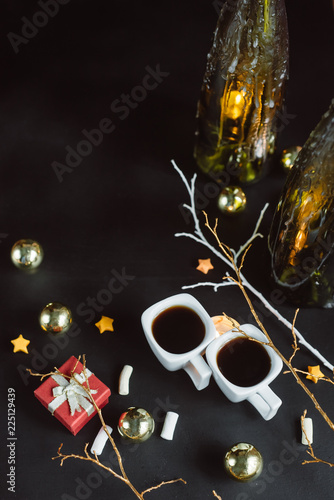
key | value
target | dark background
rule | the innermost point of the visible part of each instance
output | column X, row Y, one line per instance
column 119, row 209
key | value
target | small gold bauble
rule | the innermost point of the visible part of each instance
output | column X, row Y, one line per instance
column 243, row 462
column 55, row 318
column 136, row 424
column 26, row 254
column 232, row 200
column 289, row 156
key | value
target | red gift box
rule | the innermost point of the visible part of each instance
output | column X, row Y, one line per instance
column 67, row 401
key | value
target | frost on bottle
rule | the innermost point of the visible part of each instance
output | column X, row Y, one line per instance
column 301, row 239
column 242, row 90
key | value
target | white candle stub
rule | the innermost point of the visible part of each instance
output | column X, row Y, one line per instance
column 169, row 425
column 308, row 430
column 124, row 378
column 100, row 440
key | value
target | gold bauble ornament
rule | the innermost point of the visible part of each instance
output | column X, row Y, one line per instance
column 55, row 318
column 27, row 254
column 232, row 200
column 243, row 462
column 289, row 156
column 136, row 424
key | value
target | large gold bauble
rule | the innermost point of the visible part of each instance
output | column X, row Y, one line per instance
column 136, row 424
column 243, row 462
column 231, row 200
column 55, row 318
column 27, row 254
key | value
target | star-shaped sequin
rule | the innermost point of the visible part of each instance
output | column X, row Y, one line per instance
column 204, row 265
column 315, row 373
column 20, row 344
column 105, row 324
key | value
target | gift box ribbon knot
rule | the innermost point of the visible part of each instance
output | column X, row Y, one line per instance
column 72, row 392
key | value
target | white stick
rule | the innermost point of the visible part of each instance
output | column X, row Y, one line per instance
column 100, row 441
column 124, row 378
column 307, row 432
column 199, row 238
column 169, row 425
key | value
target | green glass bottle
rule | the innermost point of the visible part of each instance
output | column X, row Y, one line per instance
column 301, row 239
column 242, row 90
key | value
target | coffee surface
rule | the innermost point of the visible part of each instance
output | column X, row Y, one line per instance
column 178, row 329
column 243, row 362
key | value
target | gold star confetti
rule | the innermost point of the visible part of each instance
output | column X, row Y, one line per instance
column 105, row 324
column 315, row 373
column 20, row 344
column 204, row 265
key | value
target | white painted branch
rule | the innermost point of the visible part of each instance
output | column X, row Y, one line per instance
column 215, row 286
column 287, row 323
column 254, row 235
column 203, row 241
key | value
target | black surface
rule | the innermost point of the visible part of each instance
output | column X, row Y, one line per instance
column 119, row 209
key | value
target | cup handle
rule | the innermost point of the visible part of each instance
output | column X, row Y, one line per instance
column 266, row 402
column 199, row 372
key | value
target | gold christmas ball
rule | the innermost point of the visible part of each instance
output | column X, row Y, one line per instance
column 289, row 156
column 27, row 254
column 232, row 200
column 55, row 318
column 136, row 424
column 243, row 462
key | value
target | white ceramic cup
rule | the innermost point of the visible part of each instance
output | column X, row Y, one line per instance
column 260, row 395
column 192, row 361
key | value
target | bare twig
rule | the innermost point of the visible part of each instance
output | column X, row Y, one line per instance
column 88, row 458
column 163, row 483
column 294, row 345
column 317, row 377
column 46, row 375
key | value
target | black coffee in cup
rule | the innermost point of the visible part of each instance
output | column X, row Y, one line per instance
column 178, row 329
column 243, row 362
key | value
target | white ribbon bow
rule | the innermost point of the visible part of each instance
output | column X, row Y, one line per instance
column 75, row 395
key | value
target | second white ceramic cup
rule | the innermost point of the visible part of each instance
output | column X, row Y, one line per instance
column 260, row 395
